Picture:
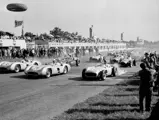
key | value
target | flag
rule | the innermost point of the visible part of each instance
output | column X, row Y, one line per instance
column 18, row 23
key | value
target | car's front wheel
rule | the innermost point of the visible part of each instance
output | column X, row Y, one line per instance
column 103, row 75
column 17, row 68
column 77, row 62
column 48, row 73
column 65, row 70
column 129, row 64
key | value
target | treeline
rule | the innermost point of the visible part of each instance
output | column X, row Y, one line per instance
column 56, row 33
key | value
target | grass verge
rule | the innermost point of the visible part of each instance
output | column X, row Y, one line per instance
column 119, row 102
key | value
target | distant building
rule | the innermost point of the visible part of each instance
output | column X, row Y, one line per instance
column 140, row 41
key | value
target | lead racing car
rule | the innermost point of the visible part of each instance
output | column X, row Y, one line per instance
column 17, row 66
column 99, row 72
column 47, row 70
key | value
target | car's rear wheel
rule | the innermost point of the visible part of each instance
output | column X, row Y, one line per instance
column 17, row 68
column 48, row 73
column 83, row 74
column 103, row 75
column 65, row 70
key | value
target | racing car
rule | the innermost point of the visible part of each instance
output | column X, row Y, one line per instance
column 17, row 66
column 115, row 60
column 99, row 72
column 47, row 70
column 97, row 58
column 126, row 63
column 73, row 61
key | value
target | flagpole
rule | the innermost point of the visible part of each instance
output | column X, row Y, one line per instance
column 22, row 34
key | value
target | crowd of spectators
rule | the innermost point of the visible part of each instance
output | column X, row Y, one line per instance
column 11, row 53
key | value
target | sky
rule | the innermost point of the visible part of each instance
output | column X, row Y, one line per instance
column 109, row 17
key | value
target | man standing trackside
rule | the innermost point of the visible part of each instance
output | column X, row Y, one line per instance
column 145, row 88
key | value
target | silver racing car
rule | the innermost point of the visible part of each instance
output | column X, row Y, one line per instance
column 17, row 66
column 100, row 71
column 48, row 69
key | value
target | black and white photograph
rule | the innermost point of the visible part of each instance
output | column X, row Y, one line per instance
column 79, row 59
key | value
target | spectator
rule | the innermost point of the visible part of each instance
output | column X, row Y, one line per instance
column 146, row 60
column 145, row 90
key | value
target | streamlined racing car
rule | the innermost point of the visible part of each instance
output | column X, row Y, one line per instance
column 99, row 72
column 47, row 70
column 17, row 66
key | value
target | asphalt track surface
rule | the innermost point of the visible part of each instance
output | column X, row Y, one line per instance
column 42, row 99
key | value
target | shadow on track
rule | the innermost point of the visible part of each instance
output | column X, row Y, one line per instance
column 25, row 77
column 6, row 72
column 30, row 77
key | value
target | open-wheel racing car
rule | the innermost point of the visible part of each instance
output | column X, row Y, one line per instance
column 97, row 58
column 116, row 59
column 127, row 63
column 47, row 70
column 73, row 61
column 99, row 72
column 17, row 66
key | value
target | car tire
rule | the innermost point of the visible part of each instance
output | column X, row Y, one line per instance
column 114, row 71
column 83, row 74
column 77, row 62
column 65, row 70
column 48, row 73
column 17, row 68
column 134, row 62
column 129, row 64
column 102, row 75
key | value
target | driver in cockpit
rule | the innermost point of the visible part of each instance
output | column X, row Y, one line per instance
column 25, row 60
column 53, row 62
column 56, row 62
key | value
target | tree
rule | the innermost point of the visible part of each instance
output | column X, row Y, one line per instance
column 57, row 32
column 45, row 36
column 9, row 34
column 2, row 33
column 29, row 34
